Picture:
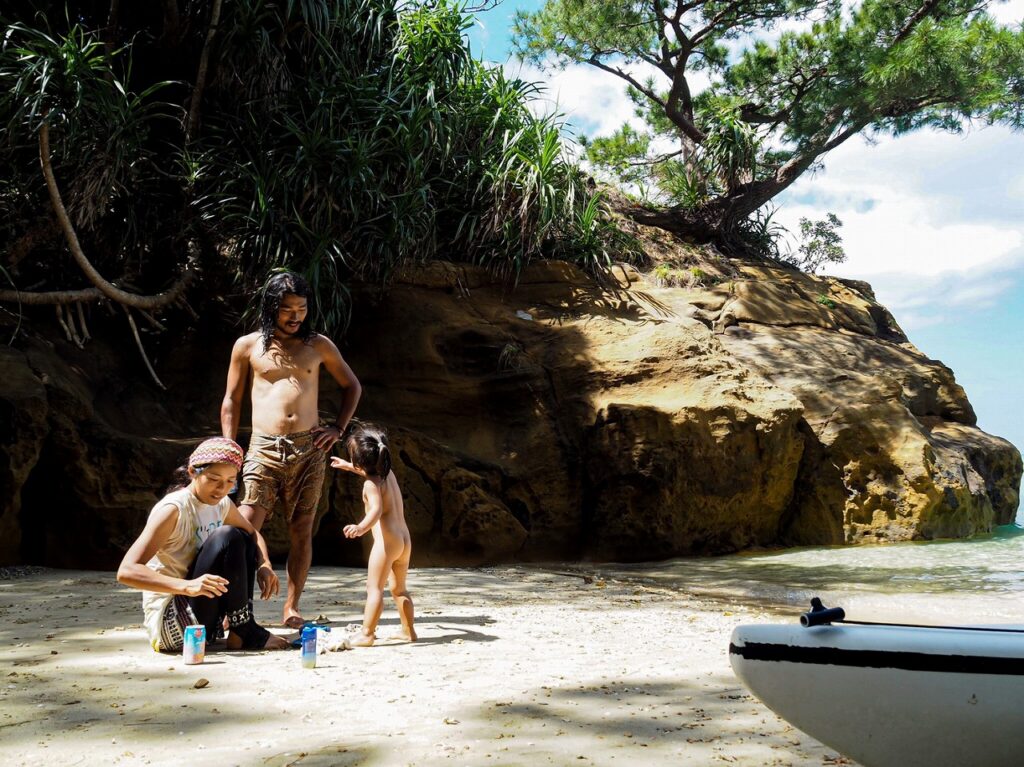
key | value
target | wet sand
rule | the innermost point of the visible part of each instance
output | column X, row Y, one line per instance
column 515, row 666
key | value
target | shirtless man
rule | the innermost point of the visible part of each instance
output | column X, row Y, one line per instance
column 370, row 458
column 288, row 449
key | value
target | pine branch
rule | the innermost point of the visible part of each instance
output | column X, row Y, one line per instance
column 926, row 8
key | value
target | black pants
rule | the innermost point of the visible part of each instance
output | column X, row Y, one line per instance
column 230, row 553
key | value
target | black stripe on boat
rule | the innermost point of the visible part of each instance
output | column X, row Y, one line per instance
column 910, row 661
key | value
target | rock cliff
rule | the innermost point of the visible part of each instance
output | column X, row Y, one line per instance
column 561, row 419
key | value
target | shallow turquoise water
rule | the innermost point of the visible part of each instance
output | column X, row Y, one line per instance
column 974, row 581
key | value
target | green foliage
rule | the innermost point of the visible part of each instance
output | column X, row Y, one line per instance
column 666, row 275
column 688, row 184
column 820, row 244
column 775, row 108
column 731, row 149
column 510, row 357
column 400, row 148
column 339, row 138
column 825, row 301
column 618, row 156
column 662, row 273
column 597, row 241
column 102, row 134
column 574, row 30
column 759, row 233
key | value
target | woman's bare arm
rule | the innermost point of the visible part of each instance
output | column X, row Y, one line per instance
column 136, row 573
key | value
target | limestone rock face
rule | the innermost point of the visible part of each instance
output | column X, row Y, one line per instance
column 77, row 491
column 891, row 447
column 23, row 428
column 697, row 480
column 563, row 419
column 455, row 507
column 602, row 426
column 771, row 408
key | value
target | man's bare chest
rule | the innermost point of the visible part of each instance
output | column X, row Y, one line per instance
column 277, row 364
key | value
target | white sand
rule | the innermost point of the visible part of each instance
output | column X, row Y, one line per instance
column 515, row 666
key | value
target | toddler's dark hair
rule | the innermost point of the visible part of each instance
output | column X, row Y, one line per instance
column 368, row 450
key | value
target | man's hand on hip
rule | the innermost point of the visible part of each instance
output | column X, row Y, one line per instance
column 326, row 436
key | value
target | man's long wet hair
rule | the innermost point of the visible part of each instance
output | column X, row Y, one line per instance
column 367, row 446
column 276, row 288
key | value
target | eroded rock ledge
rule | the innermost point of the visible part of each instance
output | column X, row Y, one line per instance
column 559, row 420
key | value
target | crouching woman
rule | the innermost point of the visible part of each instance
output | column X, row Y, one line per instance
column 198, row 558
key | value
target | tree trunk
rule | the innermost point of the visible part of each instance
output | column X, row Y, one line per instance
column 694, row 224
column 717, row 219
column 192, row 125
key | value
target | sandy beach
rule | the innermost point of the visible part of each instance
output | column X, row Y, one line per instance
column 515, row 666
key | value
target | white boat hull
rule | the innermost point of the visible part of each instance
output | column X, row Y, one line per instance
column 891, row 696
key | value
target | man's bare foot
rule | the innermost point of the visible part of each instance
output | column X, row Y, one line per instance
column 362, row 639
column 292, row 619
column 274, row 642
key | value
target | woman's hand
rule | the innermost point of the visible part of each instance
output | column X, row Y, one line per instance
column 352, row 531
column 207, row 585
column 268, row 580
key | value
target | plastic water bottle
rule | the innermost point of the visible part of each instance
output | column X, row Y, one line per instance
column 309, row 647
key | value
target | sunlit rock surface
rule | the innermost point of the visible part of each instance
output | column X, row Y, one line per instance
column 561, row 419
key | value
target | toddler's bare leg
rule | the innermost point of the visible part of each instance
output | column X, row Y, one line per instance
column 376, row 576
column 400, row 593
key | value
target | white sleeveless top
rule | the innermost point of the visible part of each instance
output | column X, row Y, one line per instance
column 197, row 521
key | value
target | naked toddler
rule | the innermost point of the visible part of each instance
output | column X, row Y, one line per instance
column 370, row 458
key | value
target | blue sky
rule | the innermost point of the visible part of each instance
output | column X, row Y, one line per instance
column 935, row 222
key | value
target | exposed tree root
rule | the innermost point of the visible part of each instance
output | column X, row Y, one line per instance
column 142, row 351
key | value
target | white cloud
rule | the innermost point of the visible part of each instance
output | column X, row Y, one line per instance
column 1008, row 13
column 931, row 220
column 971, row 176
column 906, row 233
column 920, row 301
column 594, row 101
column 914, row 321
